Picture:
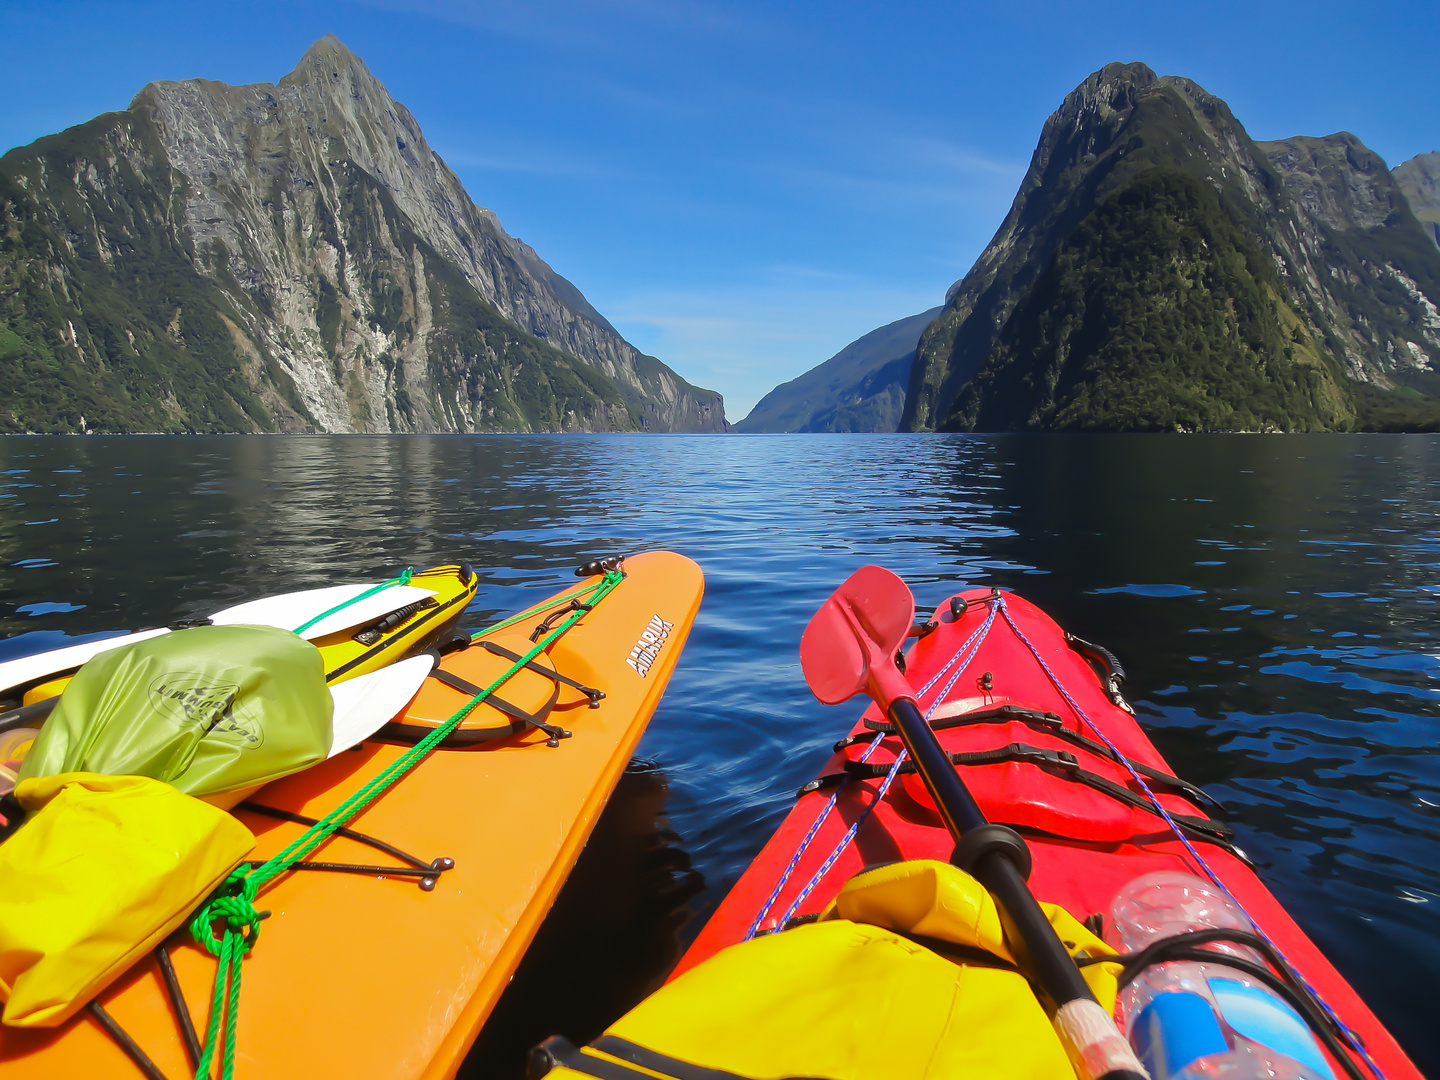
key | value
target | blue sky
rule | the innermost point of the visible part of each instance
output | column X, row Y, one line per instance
column 744, row 188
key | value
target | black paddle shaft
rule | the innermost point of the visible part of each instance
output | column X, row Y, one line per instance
column 994, row 867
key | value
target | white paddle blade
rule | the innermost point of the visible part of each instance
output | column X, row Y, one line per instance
column 287, row 611
column 25, row 669
column 292, row 610
column 366, row 703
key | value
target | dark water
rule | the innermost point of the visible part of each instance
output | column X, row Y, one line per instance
column 1274, row 599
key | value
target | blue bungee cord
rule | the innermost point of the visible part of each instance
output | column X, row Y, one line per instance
column 1349, row 1036
column 968, row 649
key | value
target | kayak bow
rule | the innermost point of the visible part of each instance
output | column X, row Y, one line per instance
column 1033, row 720
column 359, row 972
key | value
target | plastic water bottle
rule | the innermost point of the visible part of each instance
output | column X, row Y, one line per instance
column 1189, row 1021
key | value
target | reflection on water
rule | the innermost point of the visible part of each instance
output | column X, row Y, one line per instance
column 1273, row 598
column 609, row 940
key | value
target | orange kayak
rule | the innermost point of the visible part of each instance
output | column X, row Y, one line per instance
column 389, row 968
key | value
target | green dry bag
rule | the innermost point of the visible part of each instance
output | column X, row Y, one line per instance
column 211, row 710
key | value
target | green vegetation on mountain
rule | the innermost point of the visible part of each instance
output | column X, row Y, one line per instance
column 1119, row 123
column 107, row 319
column 1158, row 270
column 291, row 258
column 1156, row 314
column 517, row 380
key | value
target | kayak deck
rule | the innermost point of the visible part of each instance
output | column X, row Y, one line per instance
column 371, row 975
column 1086, row 843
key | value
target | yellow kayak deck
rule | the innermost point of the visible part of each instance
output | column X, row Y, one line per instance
column 371, row 975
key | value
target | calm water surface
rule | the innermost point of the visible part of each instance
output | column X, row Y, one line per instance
column 1274, row 599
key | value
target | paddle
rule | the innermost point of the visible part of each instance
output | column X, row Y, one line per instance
column 318, row 611
column 848, row 647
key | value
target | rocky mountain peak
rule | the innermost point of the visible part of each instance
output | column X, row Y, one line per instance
column 1323, row 229
column 1086, row 121
column 1111, row 89
column 333, row 90
column 328, row 61
column 1108, row 100
column 328, row 110
column 1118, row 123
column 1419, row 179
column 333, row 260
column 1337, row 179
column 327, row 52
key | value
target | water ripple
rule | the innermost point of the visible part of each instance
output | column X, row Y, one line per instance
column 1306, row 565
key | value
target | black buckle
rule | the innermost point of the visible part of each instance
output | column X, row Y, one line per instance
column 1019, row 712
column 1040, row 755
column 820, row 783
column 191, row 624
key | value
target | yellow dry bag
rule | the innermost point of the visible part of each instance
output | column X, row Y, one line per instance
column 906, row 976
column 102, row 870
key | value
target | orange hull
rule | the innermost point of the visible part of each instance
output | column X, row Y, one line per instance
column 369, row 976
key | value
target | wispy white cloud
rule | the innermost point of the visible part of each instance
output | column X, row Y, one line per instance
column 949, row 157
column 534, row 161
column 867, row 157
column 900, row 193
column 594, row 25
column 856, row 152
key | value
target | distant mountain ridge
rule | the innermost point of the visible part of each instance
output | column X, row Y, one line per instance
column 1158, row 270
column 860, row 388
column 1419, row 179
column 292, row 257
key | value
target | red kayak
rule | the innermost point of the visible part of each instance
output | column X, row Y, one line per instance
column 1035, row 722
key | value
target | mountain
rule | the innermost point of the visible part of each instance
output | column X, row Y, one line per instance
column 292, row 257
column 1158, row 270
column 1419, row 179
column 860, row 388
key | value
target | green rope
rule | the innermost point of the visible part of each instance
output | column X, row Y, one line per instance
column 403, row 579
column 231, row 908
column 530, row 613
column 234, row 908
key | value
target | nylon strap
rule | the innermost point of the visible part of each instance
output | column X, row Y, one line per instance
column 636, row 1061
column 513, row 711
column 230, row 910
column 1064, row 764
column 1050, row 724
column 549, row 673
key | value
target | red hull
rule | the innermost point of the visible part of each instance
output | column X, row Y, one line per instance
column 1085, row 844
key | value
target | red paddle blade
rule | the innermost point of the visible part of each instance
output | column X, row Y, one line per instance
column 852, row 639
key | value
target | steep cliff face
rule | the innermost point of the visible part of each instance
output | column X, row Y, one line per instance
column 1337, row 181
column 293, row 257
column 1354, row 283
column 1419, row 179
column 1157, row 314
column 860, row 388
